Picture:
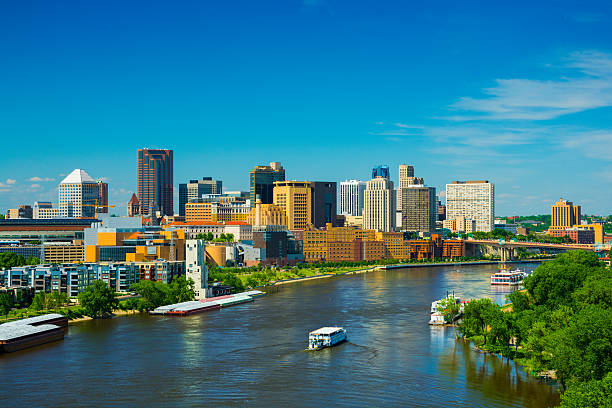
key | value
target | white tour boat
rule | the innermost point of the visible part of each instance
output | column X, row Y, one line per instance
column 325, row 337
column 436, row 315
column 507, row 277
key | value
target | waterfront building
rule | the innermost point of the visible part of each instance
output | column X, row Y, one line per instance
column 295, row 197
column 351, row 197
column 74, row 278
column 241, row 231
column 154, row 181
column 381, row 171
column 379, row 205
column 473, row 200
column 102, row 197
column 323, row 203
column 578, row 235
column 78, row 195
column 195, row 189
column 419, row 208
column 598, row 231
column 277, row 246
column 262, row 179
column 216, row 212
column 564, row 214
column 133, row 207
column 195, row 266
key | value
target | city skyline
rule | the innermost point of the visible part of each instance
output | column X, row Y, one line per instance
column 470, row 91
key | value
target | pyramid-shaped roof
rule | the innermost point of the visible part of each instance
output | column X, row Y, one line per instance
column 78, row 176
column 134, row 200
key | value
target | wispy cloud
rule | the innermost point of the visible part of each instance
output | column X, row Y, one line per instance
column 11, row 181
column 528, row 99
column 37, row 179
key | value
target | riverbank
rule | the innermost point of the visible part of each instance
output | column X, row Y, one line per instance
column 342, row 271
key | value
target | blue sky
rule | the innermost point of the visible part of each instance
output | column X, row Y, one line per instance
column 518, row 93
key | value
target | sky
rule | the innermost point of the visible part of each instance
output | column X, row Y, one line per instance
column 517, row 93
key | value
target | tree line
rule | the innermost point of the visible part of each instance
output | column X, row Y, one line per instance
column 561, row 323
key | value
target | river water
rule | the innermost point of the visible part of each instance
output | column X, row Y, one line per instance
column 253, row 354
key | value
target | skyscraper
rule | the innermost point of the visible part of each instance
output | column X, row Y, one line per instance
column 323, row 203
column 295, row 198
column 155, row 181
column 406, row 178
column 564, row 214
column 78, row 194
column 379, row 205
column 473, row 200
column 351, row 197
column 262, row 180
column 419, row 208
column 195, row 189
column 102, row 197
column 380, row 171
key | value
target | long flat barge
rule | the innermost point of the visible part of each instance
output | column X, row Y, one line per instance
column 204, row 305
column 34, row 331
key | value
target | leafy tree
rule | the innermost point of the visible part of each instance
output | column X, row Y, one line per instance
column 6, row 303
column 181, row 290
column 475, row 318
column 583, row 350
column 450, row 308
column 590, row 394
column 98, row 300
column 32, row 260
column 596, row 290
column 154, row 294
column 520, row 301
column 40, row 301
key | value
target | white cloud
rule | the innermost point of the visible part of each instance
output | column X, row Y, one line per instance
column 36, row 178
column 11, row 181
column 34, row 186
column 590, row 87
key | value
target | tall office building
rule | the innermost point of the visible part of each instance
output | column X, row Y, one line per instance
column 406, row 178
column 154, row 182
column 262, row 180
column 473, row 200
column 295, row 197
column 193, row 190
column 78, row 194
column 323, row 203
column 564, row 214
column 351, row 197
column 102, row 197
column 379, row 205
column 419, row 208
column 380, row 171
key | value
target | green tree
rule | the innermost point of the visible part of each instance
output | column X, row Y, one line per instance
column 181, row 290
column 590, row 394
column 40, row 301
column 98, row 300
column 32, row 260
column 475, row 318
column 450, row 308
column 596, row 290
column 154, row 294
column 6, row 303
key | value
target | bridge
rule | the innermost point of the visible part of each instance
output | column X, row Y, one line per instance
column 507, row 247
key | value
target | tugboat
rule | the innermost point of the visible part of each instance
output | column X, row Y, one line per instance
column 326, row 337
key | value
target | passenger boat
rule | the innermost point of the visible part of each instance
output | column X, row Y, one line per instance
column 326, row 337
column 507, row 277
column 436, row 314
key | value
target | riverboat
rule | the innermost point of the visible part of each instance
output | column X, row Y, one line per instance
column 507, row 277
column 326, row 337
column 436, row 314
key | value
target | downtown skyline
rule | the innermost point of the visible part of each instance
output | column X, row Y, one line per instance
column 459, row 92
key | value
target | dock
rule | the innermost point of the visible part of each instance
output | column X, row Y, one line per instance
column 25, row 333
column 204, row 305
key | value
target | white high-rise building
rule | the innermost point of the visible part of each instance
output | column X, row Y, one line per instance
column 351, row 197
column 78, row 195
column 379, row 205
column 473, row 200
column 195, row 266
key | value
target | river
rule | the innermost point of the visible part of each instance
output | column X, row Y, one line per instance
column 253, row 354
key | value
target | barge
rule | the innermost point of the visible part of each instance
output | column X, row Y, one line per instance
column 34, row 331
column 204, row 305
column 326, row 337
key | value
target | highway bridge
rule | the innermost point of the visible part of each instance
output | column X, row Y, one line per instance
column 507, row 248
